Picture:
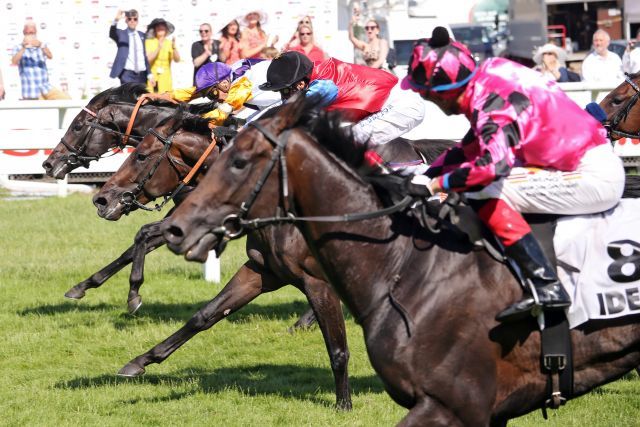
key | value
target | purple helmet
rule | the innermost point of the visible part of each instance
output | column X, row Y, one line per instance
column 211, row 74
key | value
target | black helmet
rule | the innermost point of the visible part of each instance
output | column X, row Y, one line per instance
column 287, row 69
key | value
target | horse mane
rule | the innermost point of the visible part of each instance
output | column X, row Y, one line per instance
column 183, row 119
column 128, row 92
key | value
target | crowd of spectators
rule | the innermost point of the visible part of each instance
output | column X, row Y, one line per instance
column 146, row 57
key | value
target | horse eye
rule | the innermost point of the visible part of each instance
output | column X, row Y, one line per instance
column 239, row 163
column 141, row 157
column 78, row 127
column 617, row 101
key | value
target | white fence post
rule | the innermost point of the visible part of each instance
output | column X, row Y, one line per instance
column 63, row 187
column 212, row 268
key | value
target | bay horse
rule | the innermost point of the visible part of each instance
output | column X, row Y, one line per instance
column 277, row 255
column 426, row 301
column 622, row 109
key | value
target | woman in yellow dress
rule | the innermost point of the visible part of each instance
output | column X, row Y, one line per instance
column 160, row 52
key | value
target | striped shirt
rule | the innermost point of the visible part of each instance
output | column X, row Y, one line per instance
column 34, row 77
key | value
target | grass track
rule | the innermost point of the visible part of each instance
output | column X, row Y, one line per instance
column 58, row 357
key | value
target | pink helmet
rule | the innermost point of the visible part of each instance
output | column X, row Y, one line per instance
column 440, row 65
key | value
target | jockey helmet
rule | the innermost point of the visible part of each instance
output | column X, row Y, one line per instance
column 439, row 66
column 286, row 70
column 211, row 74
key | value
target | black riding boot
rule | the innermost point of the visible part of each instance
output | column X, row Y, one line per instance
column 536, row 268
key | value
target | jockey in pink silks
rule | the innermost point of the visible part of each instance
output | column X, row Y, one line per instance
column 530, row 149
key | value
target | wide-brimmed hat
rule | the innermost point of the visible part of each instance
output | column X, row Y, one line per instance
column 287, row 69
column 151, row 28
column 262, row 17
column 559, row 52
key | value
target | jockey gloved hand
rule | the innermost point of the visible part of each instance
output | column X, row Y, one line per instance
column 420, row 186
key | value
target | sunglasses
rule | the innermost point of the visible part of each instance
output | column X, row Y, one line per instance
column 368, row 28
column 132, row 19
column 204, row 31
column 305, row 34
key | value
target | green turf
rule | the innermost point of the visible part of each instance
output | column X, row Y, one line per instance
column 58, row 357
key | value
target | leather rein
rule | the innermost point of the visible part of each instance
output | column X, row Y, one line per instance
column 622, row 114
column 236, row 224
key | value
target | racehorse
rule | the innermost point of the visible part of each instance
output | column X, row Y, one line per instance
column 622, row 109
column 277, row 256
column 426, row 300
column 77, row 146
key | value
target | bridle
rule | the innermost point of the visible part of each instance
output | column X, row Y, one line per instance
column 621, row 115
column 78, row 155
column 236, row 224
column 129, row 199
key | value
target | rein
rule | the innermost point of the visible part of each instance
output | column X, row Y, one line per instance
column 234, row 225
column 622, row 114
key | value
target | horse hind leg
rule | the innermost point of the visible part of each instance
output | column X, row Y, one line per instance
column 306, row 321
column 244, row 286
column 148, row 239
column 328, row 310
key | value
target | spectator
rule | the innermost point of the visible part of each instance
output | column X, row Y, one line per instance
column 375, row 49
column 601, row 65
column 306, row 45
column 31, row 58
column 2, row 93
column 230, row 42
column 295, row 41
column 131, row 64
column 253, row 38
column 160, row 53
column 205, row 50
column 631, row 57
column 551, row 63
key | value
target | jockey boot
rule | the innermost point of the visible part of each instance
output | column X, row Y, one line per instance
column 538, row 271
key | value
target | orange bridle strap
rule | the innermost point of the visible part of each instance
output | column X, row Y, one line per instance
column 144, row 97
column 200, row 161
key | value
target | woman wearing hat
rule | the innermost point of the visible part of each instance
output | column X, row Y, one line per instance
column 253, row 38
column 160, row 52
column 530, row 149
column 550, row 59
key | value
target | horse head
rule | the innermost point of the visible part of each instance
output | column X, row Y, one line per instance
column 68, row 154
column 622, row 109
column 157, row 165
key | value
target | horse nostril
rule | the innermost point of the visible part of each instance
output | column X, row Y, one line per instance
column 100, row 201
column 175, row 231
column 47, row 166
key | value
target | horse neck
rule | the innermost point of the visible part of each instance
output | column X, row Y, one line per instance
column 147, row 117
column 359, row 258
column 189, row 147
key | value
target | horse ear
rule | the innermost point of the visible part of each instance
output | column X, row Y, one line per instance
column 291, row 112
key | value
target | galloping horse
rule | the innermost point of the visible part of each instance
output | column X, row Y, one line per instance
column 426, row 301
column 277, row 256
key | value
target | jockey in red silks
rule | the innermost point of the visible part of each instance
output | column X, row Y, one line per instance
column 365, row 95
column 530, row 149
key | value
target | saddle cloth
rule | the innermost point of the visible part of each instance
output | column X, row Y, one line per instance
column 599, row 262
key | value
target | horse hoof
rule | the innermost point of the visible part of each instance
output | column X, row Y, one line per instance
column 74, row 293
column 131, row 370
column 134, row 304
column 343, row 405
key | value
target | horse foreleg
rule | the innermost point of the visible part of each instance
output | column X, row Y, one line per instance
column 328, row 311
column 244, row 286
column 431, row 412
column 148, row 239
column 305, row 321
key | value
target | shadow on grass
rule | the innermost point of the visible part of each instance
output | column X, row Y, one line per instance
column 302, row 383
column 170, row 312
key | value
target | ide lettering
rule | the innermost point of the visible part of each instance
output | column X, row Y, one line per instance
column 624, row 269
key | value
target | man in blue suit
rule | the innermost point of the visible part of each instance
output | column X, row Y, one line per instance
column 131, row 64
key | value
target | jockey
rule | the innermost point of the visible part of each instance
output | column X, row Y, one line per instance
column 365, row 95
column 233, row 86
column 530, row 149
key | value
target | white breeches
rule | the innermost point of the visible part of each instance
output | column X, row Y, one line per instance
column 595, row 186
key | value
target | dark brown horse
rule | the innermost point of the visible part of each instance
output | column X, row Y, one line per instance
column 426, row 302
column 623, row 110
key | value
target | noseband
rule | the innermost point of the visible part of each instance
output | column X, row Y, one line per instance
column 621, row 115
column 78, row 155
